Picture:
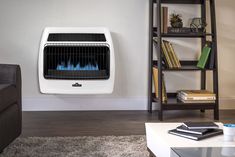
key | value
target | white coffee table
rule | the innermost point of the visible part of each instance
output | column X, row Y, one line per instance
column 159, row 142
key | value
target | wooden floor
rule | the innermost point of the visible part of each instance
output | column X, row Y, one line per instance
column 99, row 123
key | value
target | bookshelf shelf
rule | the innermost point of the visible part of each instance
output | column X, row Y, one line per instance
column 174, row 104
column 186, row 68
column 206, row 106
column 186, row 65
column 183, row 35
column 180, row 1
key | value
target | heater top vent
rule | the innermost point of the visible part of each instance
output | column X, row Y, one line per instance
column 77, row 37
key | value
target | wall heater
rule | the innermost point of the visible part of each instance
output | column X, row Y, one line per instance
column 76, row 61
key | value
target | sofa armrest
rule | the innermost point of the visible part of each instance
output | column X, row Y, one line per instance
column 11, row 118
column 12, row 74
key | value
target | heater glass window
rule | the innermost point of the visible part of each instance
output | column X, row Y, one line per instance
column 83, row 61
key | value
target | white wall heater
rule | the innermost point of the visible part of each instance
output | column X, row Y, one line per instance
column 76, row 61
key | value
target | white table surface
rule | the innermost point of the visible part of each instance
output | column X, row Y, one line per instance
column 160, row 142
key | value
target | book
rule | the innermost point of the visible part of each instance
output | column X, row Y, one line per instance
column 183, row 128
column 196, row 137
column 175, row 56
column 164, row 99
column 164, row 19
column 155, row 79
column 200, row 125
column 211, row 63
column 204, row 57
column 197, row 93
column 184, row 97
column 196, row 101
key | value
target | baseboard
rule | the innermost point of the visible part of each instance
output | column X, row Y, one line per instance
column 88, row 104
column 82, row 104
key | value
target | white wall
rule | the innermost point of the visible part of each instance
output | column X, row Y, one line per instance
column 22, row 22
column 226, row 48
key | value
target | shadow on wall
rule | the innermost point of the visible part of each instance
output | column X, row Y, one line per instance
column 226, row 46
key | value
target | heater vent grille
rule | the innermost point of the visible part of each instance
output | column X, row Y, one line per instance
column 76, row 61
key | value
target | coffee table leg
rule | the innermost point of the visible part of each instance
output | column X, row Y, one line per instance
column 151, row 153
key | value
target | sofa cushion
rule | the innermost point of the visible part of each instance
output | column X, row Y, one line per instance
column 8, row 95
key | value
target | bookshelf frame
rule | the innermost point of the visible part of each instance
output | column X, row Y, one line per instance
column 187, row 65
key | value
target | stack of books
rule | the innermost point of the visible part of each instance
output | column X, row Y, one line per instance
column 197, row 130
column 155, row 80
column 170, row 58
column 196, row 96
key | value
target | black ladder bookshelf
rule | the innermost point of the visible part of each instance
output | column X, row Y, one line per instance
column 187, row 65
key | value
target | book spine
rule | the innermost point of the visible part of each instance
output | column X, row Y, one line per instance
column 162, row 19
column 212, row 57
column 195, row 98
column 197, row 94
column 155, row 80
column 165, row 19
column 182, row 135
column 196, row 101
column 164, row 99
column 189, row 131
column 175, row 56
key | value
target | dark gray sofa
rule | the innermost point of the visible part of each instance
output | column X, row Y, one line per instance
column 10, row 104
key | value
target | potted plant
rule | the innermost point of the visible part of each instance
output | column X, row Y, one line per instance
column 176, row 20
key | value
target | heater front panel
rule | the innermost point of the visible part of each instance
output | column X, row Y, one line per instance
column 76, row 62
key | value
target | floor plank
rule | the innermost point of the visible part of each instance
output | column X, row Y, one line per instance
column 101, row 123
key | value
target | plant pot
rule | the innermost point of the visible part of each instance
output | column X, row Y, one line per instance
column 177, row 24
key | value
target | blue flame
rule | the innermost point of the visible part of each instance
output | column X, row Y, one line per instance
column 70, row 66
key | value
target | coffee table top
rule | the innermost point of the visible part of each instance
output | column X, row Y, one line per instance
column 159, row 132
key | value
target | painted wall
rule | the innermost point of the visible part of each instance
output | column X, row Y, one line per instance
column 22, row 22
column 226, row 47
